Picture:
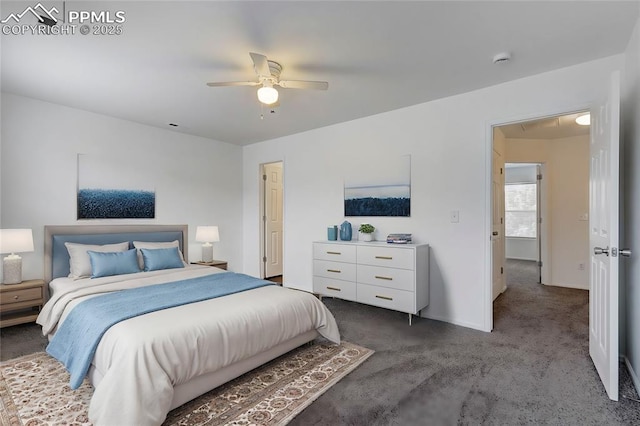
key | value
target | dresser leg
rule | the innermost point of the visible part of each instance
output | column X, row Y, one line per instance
column 409, row 319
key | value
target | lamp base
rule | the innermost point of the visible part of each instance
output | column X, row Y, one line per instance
column 12, row 270
column 207, row 253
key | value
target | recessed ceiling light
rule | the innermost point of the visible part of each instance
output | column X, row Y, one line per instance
column 584, row 119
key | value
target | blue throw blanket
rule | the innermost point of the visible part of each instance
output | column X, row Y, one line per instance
column 74, row 343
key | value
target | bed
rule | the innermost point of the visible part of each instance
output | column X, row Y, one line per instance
column 148, row 364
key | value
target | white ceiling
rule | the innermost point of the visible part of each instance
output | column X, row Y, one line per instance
column 562, row 126
column 376, row 56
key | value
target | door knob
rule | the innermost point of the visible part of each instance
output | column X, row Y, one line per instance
column 625, row 252
column 600, row 250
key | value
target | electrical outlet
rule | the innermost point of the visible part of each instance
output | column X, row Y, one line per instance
column 455, row 216
column 580, row 266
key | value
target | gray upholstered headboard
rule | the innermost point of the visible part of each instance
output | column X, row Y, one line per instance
column 56, row 256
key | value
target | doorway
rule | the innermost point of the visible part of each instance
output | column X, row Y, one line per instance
column 601, row 218
column 551, row 157
column 523, row 214
column 271, row 220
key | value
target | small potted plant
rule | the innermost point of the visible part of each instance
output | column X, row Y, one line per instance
column 366, row 231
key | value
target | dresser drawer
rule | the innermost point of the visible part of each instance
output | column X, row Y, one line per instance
column 334, row 270
column 390, row 298
column 401, row 279
column 335, row 288
column 334, row 252
column 392, row 257
column 18, row 296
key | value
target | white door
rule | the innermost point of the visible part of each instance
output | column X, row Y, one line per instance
column 497, row 228
column 539, row 219
column 603, row 236
column 273, row 219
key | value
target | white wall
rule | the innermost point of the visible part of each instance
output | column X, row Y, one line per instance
column 566, row 176
column 197, row 181
column 442, row 136
column 521, row 248
column 631, row 187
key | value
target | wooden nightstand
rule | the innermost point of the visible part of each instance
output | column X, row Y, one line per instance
column 222, row 264
column 20, row 303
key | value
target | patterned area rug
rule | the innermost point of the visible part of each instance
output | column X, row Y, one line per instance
column 34, row 390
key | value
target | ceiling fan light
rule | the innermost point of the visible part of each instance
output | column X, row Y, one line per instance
column 584, row 119
column 267, row 95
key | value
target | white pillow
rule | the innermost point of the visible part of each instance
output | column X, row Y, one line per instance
column 79, row 262
column 155, row 245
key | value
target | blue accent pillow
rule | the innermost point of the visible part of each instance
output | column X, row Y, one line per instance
column 104, row 264
column 164, row 258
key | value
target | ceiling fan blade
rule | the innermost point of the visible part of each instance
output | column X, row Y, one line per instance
column 299, row 84
column 260, row 64
column 234, row 83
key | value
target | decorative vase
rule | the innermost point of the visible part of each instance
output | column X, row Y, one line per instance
column 332, row 233
column 366, row 237
column 345, row 231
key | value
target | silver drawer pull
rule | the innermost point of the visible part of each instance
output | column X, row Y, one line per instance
column 384, row 278
column 333, row 252
column 334, row 270
column 384, row 257
column 333, row 288
column 384, row 297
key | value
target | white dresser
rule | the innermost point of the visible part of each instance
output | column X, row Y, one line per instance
column 392, row 276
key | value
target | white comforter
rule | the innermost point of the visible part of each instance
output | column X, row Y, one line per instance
column 143, row 358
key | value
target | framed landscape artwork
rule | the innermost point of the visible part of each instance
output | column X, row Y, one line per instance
column 114, row 188
column 379, row 188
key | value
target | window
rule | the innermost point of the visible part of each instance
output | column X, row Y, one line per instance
column 520, row 210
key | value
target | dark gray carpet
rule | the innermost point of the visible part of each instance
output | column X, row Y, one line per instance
column 534, row 368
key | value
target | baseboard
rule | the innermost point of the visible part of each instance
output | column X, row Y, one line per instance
column 634, row 377
column 454, row 322
column 577, row 287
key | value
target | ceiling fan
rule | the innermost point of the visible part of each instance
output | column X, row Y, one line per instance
column 269, row 76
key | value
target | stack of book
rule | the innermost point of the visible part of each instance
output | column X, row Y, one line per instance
column 399, row 238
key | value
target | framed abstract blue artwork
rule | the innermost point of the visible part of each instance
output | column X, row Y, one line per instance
column 382, row 189
column 113, row 188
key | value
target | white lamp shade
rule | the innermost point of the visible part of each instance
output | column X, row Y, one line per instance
column 207, row 234
column 267, row 95
column 16, row 240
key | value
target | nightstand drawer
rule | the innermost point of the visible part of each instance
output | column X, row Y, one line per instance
column 331, row 287
column 392, row 257
column 334, row 270
column 21, row 303
column 18, row 296
column 334, row 252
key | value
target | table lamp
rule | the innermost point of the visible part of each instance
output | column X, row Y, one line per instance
column 207, row 235
column 14, row 241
